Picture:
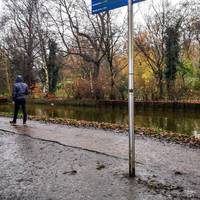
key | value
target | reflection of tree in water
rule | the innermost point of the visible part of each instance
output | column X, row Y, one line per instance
column 6, row 108
column 171, row 124
column 171, row 120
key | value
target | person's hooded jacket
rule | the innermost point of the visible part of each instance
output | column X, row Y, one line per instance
column 20, row 89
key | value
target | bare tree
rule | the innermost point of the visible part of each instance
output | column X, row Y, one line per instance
column 112, row 48
column 93, row 39
column 191, row 30
column 80, row 39
column 26, row 36
column 150, row 41
column 5, row 73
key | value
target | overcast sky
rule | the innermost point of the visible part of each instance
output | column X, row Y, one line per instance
column 0, row 4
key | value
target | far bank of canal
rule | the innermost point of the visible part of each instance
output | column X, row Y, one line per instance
column 186, row 121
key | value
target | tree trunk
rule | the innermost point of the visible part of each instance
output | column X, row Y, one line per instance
column 171, row 89
column 8, row 81
column 112, row 84
column 160, row 85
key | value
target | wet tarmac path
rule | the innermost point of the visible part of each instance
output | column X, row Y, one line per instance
column 61, row 162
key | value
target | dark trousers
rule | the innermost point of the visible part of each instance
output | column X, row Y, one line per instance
column 20, row 103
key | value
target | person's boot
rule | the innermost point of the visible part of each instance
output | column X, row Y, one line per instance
column 12, row 123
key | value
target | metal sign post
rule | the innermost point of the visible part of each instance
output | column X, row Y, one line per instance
column 105, row 5
column 131, row 91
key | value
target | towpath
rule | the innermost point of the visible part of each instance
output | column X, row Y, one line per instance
column 51, row 161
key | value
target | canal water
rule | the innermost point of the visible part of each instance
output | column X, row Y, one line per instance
column 186, row 122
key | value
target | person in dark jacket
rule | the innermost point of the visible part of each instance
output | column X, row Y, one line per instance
column 20, row 90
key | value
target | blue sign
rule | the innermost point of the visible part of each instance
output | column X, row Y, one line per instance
column 105, row 5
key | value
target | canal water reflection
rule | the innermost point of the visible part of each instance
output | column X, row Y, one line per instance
column 187, row 122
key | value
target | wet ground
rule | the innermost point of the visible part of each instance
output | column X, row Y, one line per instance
column 47, row 161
